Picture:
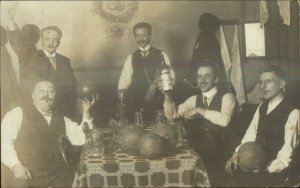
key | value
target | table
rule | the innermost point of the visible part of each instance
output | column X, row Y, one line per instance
column 182, row 168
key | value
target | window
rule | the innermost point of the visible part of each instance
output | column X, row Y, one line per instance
column 254, row 40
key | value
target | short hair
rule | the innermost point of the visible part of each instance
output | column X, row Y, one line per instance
column 209, row 63
column 54, row 28
column 273, row 69
column 142, row 25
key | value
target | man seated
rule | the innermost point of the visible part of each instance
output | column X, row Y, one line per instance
column 29, row 140
column 211, row 110
column 275, row 126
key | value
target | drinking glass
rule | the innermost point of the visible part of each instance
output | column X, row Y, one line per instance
column 97, row 142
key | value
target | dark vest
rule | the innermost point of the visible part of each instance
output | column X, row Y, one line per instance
column 270, row 131
column 203, row 134
column 145, row 70
column 37, row 143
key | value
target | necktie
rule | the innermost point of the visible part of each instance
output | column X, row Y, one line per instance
column 205, row 102
column 53, row 62
column 144, row 53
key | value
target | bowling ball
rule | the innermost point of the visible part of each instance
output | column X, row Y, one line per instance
column 129, row 139
column 251, row 157
column 86, row 89
column 152, row 146
column 167, row 132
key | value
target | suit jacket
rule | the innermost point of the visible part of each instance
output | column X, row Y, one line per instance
column 35, row 66
column 9, row 85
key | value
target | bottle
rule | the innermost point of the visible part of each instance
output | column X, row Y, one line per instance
column 121, row 112
column 139, row 118
column 165, row 75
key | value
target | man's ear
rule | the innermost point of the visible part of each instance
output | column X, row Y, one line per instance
column 282, row 84
column 217, row 79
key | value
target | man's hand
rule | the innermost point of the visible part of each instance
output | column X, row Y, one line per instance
column 275, row 167
column 87, row 104
column 232, row 164
column 191, row 114
column 21, row 172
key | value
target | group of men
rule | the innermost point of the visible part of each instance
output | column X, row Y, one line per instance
column 43, row 110
column 29, row 132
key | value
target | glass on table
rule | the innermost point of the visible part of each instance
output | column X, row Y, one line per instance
column 159, row 117
column 138, row 120
column 97, row 139
column 181, row 133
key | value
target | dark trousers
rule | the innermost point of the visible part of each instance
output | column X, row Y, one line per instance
column 211, row 150
column 261, row 179
column 134, row 101
column 62, row 179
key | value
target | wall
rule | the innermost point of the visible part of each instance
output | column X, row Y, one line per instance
column 282, row 47
column 94, row 55
column 175, row 27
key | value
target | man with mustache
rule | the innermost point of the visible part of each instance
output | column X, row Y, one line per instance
column 29, row 140
column 208, row 115
column 275, row 125
column 140, row 74
column 44, row 64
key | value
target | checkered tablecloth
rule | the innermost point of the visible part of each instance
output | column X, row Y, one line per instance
column 182, row 168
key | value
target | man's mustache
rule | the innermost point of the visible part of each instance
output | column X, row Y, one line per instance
column 202, row 83
column 142, row 41
column 46, row 99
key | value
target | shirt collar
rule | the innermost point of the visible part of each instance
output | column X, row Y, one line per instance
column 275, row 103
column 146, row 48
column 43, row 113
column 48, row 54
column 210, row 93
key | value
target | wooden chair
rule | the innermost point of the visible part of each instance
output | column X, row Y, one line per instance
column 69, row 153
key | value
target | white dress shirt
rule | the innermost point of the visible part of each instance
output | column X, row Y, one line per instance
column 221, row 118
column 51, row 58
column 11, row 126
column 48, row 54
column 126, row 74
column 291, row 137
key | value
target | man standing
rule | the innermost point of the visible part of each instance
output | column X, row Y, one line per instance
column 209, row 113
column 140, row 74
column 275, row 126
column 45, row 64
column 29, row 140
column 9, row 85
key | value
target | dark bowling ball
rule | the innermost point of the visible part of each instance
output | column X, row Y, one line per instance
column 251, row 157
column 87, row 89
